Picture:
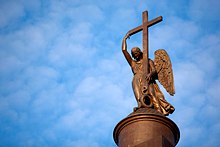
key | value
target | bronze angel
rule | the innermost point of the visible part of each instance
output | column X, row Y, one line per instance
column 160, row 69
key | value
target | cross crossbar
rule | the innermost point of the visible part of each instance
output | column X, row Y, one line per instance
column 149, row 24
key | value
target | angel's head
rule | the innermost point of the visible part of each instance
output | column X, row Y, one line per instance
column 136, row 53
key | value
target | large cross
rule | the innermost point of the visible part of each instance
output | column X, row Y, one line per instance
column 145, row 25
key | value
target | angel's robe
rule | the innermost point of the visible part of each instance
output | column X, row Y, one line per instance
column 156, row 96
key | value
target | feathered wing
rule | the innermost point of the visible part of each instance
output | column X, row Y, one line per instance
column 164, row 70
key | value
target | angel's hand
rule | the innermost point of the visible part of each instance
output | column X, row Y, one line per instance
column 127, row 36
column 148, row 77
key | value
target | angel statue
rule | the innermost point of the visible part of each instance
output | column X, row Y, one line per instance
column 160, row 69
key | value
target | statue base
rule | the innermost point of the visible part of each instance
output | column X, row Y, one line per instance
column 146, row 127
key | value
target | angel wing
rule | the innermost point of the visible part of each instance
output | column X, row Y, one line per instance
column 164, row 70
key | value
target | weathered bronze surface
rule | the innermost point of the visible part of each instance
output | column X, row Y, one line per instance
column 146, row 127
column 147, row 71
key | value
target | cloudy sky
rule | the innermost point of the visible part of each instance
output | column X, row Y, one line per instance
column 64, row 80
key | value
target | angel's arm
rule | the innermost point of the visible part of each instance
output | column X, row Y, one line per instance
column 124, row 50
column 153, row 72
column 153, row 69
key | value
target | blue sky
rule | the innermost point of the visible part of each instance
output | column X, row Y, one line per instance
column 64, row 80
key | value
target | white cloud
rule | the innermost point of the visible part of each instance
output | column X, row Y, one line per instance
column 15, row 11
column 203, row 10
column 176, row 35
column 188, row 78
column 117, row 22
column 74, row 46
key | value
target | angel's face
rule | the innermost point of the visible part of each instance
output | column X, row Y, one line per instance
column 136, row 53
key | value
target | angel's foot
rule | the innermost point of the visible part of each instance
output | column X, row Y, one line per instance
column 139, row 106
column 135, row 109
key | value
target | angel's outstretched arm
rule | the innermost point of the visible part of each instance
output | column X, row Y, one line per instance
column 124, row 50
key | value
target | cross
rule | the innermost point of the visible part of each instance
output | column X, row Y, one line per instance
column 145, row 25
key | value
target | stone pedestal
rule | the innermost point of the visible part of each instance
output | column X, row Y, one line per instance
column 146, row 128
